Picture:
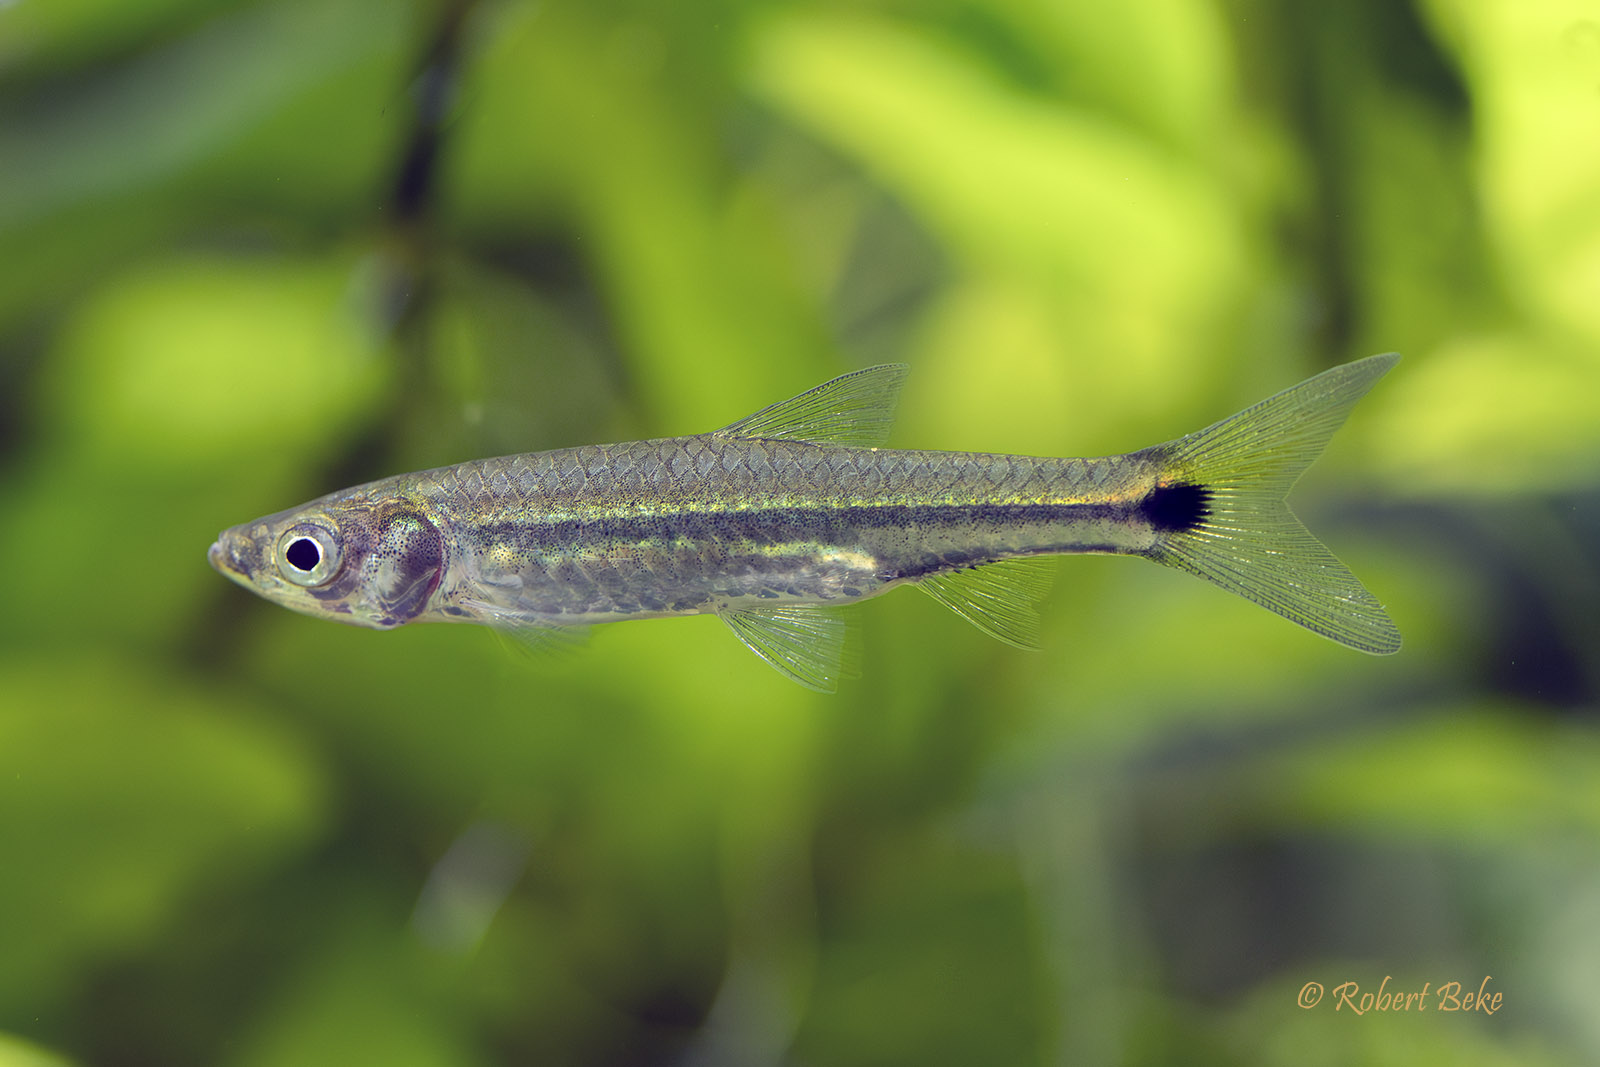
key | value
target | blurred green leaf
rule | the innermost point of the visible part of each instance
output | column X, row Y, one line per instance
column 1434, row 433
column 1076, row 213
column 361, row 1000
column 1160, row 66
column 97, row 175
column 908, row 963
column 196, row 362
column 245, row 241
column 701, row 304
column 187, row 396
column 1535, row 70
column 125, row 793
column 17, row 1053
column 1475, row 775
column 36, row 38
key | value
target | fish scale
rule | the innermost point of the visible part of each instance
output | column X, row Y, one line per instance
column 775, row 521
column 814, row 531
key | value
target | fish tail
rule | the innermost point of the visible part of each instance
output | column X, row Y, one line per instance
column 1220, row 509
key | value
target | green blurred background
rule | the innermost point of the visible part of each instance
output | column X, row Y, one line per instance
column 254, row 251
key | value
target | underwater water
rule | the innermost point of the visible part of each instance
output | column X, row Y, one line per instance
column 255, row 252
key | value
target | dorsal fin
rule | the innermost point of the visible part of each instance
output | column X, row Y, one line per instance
column 854, row 409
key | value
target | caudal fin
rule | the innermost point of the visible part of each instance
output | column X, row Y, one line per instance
column 1243, row 536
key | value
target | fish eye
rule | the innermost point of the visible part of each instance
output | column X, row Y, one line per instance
column 308, row 555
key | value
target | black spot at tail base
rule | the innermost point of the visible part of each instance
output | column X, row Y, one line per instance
column 1176, row 508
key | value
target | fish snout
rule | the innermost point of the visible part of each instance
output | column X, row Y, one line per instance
column 230, row 555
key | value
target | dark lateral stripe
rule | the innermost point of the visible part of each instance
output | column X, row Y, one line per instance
column 777, row 525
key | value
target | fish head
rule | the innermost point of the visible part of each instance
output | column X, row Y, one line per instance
column 369, row 560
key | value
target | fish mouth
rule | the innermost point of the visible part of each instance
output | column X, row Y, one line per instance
column 227, row 557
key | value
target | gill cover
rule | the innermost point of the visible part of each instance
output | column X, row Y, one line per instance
column 403, row 566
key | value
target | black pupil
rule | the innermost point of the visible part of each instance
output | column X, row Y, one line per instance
column 303, row 554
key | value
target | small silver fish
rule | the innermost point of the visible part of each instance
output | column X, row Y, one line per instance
column 774, row 521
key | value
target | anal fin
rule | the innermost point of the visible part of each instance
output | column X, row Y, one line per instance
column 810, row 645
column 997, row 598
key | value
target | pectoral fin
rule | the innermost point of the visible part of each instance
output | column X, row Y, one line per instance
column 526, row 631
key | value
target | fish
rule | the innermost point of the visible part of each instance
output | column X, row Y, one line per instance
column 777, row 521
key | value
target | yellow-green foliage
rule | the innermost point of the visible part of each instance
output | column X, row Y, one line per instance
column 229, row 834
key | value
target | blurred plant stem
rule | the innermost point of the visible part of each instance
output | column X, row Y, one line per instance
column 405, row 250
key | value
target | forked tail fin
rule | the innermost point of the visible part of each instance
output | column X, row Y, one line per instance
column 1245, row 539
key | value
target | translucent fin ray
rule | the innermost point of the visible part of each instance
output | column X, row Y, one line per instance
column 812, row 646
column 997, row 598
column 1249, row 542
column 529, row 632
column 855, row 409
